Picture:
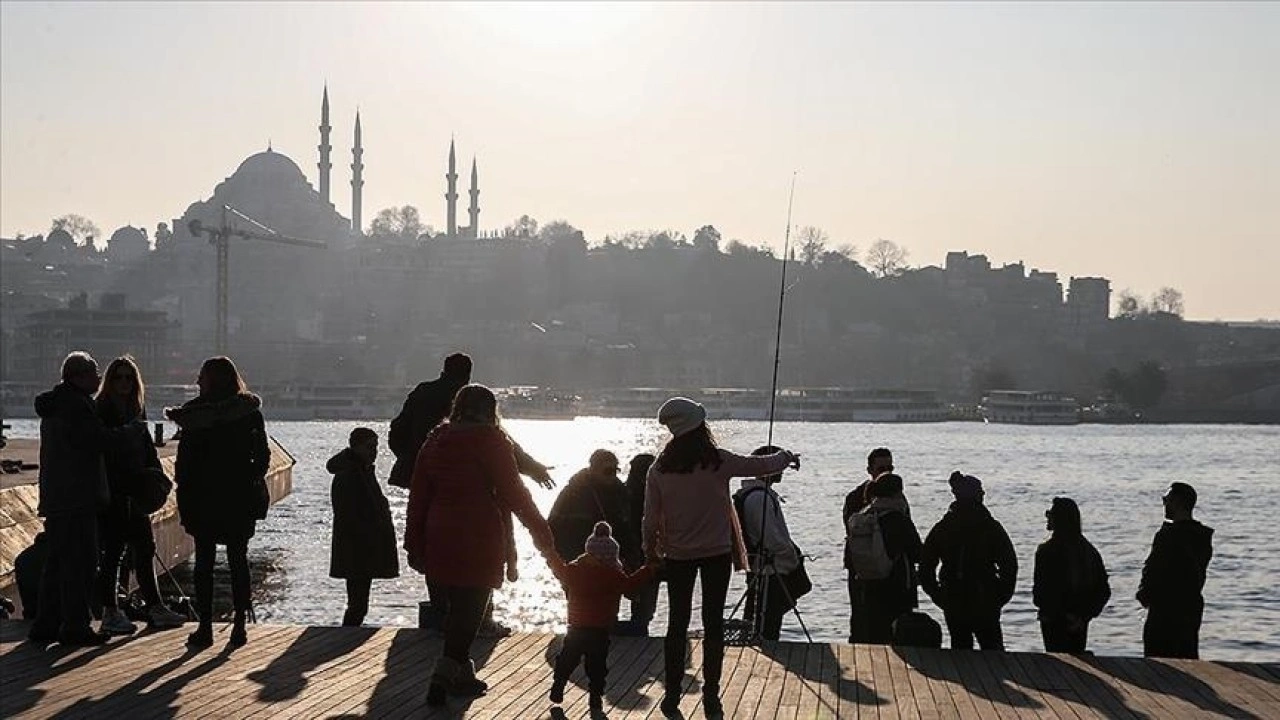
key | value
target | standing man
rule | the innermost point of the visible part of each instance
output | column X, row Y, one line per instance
column 879, row 461
column 593, row 494
column 1173, row 578
column 771, row 553
column 73, row 488
column 979, row 567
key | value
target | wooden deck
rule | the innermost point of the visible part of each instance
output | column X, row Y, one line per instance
column 328, row 672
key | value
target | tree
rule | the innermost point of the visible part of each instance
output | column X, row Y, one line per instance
column 707, row 237
column 886, row 258
column 1128, row 305
column 523, row 227
column 1167, row 300
column 813, row 243
column 80, row 228
column 402, row 222
column 558, row 230
column 1141, row 388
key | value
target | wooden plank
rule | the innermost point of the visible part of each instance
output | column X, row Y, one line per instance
column 852, row 692
column 915, row 683
column 770, row 701
column 691, row 690
column 528, row 668
column 796, row 682
column 810, row 700
column 732, row 693
column 646, row 688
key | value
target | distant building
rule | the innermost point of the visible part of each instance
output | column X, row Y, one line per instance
column 1088, row 302
column 128, row 245
column 111, row 329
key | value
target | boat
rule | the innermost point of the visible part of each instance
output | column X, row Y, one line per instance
column 1030, row 407
column 529, row 402
column 869, row 405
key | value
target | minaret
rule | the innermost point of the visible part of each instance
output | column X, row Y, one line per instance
column 325, row 165
column 451, row 197
column 357, row 179
column 474, row 210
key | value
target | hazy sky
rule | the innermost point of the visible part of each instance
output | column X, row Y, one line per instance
column 1140, row 142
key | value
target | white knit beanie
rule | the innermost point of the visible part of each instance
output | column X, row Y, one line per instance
column 601, row 544
column 681, row 415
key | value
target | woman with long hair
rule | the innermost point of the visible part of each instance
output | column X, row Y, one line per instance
column 121, row 403
column 464, row 484
column 222, row 455
column 690, row 523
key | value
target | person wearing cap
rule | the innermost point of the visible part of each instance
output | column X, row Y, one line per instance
column 1173, row 579
column 690, row 523
column 593, row 494
column 594, row 584
column 765, row 533
column 888, row 598
column 979, row 568
column 1071, row 586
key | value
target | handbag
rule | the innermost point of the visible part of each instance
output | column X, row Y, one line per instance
column 797, row 581
column 149, row 490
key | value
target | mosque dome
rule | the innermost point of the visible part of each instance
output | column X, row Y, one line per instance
column 270, row 164
column 127, row 235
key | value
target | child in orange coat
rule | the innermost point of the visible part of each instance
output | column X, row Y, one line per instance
column 594, row 583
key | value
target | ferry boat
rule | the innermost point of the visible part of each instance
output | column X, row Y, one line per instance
column 529, row 402
column 1030, row 407
column 871, row 405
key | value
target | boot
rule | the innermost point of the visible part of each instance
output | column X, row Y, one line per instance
column 711, row 706
column 238, row 635
column 442, row 678
column 202, row 637
column 466, row 684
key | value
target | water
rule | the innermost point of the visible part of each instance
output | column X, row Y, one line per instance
column 1116, row 473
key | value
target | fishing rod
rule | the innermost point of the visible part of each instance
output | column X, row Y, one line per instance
column 782, row 294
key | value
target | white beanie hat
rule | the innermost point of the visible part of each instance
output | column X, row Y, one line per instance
column 601, row 544
column 681, row 415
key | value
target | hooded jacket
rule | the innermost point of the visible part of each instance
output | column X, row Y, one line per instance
column 129, row 452
column 73, row 477
column 979, row 568
column 222, row 450
column 364, row 537
column 1173, row 576
column 595, row 588
column 464, row 482
column 1070, row 578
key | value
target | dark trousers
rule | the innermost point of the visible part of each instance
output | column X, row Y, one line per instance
column 857, row 609
column 357, row 600
column 591, row 644
column 965, row 625
column 715, row 573
column 464, row 610
column 1172, row 633
column 66, row 585
column 130, row 540
column 776, row 605
column 1060, row 637
column 238, row 559
column 439, row 595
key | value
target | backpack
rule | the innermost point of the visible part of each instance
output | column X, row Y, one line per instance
column 865, row 548
column 917, row 629
column 740, row 507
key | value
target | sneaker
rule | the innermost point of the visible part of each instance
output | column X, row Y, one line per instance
column 160, row 617
column 115, row 623
column 492, row 629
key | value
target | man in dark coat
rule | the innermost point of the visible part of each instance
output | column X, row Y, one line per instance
column 73, row 489
column 594, row 494
column 364, row 538
column 979, row 568
column 1071, row 586
column 426, row 406
column 1173, row 579
column 879, row 461
column 644, row 601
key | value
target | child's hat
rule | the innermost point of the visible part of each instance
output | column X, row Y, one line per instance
column 601, row 544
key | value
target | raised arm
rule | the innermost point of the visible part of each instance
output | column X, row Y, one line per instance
column 735, row 465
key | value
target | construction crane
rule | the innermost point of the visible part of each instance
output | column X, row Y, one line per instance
column 220, row 238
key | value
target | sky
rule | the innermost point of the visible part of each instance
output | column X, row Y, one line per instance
column 1139, row 142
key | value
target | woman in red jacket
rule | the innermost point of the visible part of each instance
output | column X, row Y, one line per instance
column 464, row 482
